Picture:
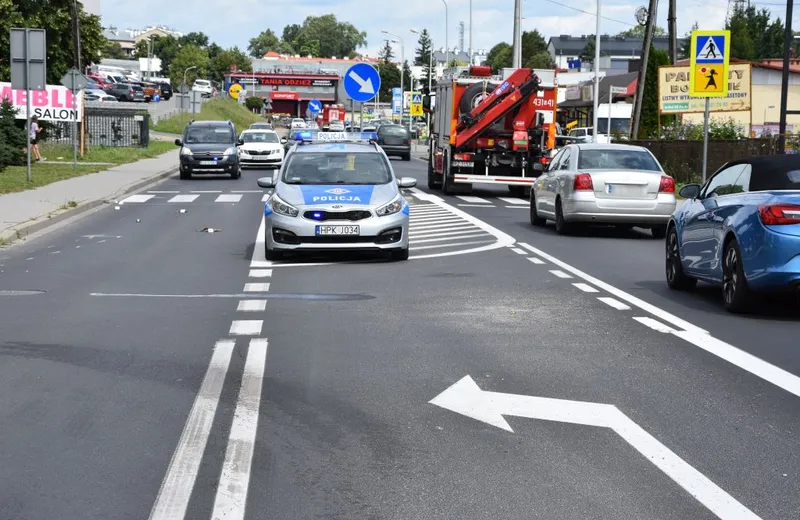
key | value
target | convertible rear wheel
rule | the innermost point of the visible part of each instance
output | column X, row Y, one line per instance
column 735, row 293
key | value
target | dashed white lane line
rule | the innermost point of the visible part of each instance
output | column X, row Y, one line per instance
column 516, row 207
column 183, row 198
column 252, row 306
column 231, row 499
column 165, row 192
column 256, row 287
column 471, row 243
column 585, row 287
column 206, row 191
column 612, row 302
column 535, row 260
column 475, row 205
column 229, row 197
column 260, row 273
column 690, row 332
column 510, row 200
column 246, row 327
column 136, row 199
column 560, row 274
column 519, row 251
column 654, row 324
column 247, row 191
column 176, row 488
column 473, row 200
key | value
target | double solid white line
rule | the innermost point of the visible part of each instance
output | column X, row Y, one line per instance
column 176, row 489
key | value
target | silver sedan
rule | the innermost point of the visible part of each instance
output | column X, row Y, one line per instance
column 604, row 184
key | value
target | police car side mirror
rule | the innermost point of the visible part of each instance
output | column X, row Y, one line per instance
column 266, row 183
column 407, row 182
column 284, row 140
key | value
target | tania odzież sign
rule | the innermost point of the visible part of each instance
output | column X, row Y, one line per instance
column 55, row 103
column 674, row 98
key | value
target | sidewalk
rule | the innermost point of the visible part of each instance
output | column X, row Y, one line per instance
column 29, row 211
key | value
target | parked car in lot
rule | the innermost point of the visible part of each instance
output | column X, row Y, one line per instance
column 740, row 231
column 127, row 92
column 395, row 140
column 603, row 184
column 166, row 90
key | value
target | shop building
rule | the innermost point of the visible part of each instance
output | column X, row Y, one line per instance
column 288, row 92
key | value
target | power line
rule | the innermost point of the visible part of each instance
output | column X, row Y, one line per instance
column 587, row 12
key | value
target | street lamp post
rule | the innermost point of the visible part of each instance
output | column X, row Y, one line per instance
column 597, row 77
column 446, row 37
column 402, row 71
column 183, row 100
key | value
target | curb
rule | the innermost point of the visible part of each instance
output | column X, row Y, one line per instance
column 13, row 234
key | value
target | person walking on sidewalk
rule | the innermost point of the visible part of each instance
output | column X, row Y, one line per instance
column 33, row 139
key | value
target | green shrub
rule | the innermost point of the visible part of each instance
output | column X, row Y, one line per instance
column 12, row 138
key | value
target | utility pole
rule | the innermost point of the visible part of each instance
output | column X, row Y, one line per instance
column 787, row 54
column 672, row 29
column 648, row 40
column 76, row 35
column 517, row 51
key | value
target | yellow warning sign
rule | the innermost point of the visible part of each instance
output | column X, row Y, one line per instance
column 416, row 104
column 234, row 90
column 710, row 79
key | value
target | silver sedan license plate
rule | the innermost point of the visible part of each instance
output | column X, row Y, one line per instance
column 338, row 230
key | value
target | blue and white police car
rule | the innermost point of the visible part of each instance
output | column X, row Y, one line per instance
column 336, row 191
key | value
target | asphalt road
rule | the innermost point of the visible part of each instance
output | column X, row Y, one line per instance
column 166, row 372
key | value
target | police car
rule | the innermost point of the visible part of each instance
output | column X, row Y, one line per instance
column 336, row 191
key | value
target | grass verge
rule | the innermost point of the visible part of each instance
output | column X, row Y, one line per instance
column 13, row 178
column 212, row 110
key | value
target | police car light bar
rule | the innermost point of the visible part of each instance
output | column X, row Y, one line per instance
column 335, row 137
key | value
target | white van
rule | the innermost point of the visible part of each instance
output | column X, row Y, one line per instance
column 203, row 86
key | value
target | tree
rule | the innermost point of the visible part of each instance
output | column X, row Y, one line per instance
column 533, row 43
column 263, row 43
column 198, row 39
column 189, row 56
column 408, row 76
column 649, row 117
column 12, row 137
column 222, row 62
column 56, row 17
column 113, row 51
column 500, row 56
column 423, row 55
column 390, row 78
column 753, row 35
column 164, row 48
column 254, row 104
column 540, row 60
column 326, row 35
column 386, row 54
column 742, row 44
column 637, row 31
column 686, row 45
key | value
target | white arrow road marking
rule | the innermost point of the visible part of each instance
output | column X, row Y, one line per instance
column 466, row 398
column 365, row 85
column 176, row 489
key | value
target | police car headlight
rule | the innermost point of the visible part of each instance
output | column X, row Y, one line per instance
column 229, row 151
column 282, row 208
column 391, row 208
column 186, row 151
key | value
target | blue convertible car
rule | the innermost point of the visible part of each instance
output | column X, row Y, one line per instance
column 740, row 231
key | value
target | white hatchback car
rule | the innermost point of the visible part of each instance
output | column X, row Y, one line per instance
column 261, row 149
column 203, row 86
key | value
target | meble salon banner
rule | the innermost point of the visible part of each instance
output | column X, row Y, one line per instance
column 53, row 104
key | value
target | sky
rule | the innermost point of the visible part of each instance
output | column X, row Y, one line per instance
column 233, row 22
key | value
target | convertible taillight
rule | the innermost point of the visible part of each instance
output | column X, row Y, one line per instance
column 779, row 214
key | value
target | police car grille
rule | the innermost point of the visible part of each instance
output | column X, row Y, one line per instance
column 352, row 215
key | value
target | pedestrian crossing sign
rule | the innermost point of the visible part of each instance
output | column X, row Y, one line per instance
column 416, row 98
column 710, row 57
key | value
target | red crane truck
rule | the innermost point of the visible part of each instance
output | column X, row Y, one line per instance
column 490, row 129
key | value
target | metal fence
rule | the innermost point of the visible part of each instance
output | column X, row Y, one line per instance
column 122, row 125
column 683, row 159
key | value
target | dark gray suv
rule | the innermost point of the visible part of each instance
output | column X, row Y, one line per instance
column 209, row 147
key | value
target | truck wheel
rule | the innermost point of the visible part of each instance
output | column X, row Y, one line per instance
column 472, row 96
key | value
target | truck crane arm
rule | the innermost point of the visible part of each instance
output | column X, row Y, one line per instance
column 511, row 93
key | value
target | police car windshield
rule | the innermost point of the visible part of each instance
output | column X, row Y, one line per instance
column 337, row 168
column 219, row 134
column 260, row 137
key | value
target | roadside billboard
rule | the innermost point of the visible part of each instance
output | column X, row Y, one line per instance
column 673, row 91
column 53, row 104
